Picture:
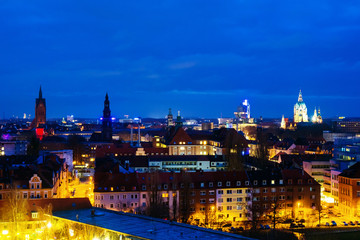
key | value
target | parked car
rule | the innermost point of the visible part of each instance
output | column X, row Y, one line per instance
column 345, row 223
column 301, row 225
column 262, row 227
column 357, row 222
column 267, row 227
column 333, row 223
column 351, row 223
column 327, row 224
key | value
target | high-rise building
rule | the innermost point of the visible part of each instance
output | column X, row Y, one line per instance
column 243, row 111
column 300, row 110
column 106, row 121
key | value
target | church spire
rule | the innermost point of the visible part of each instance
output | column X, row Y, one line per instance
column 40, row 93
column 300, row 99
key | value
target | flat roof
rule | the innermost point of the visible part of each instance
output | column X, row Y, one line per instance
column 143, row 226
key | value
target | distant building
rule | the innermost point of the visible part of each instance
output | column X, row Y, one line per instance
column 300, row 110
column 243, row 111
column 170, row 119
column 8, row 148
column 40, row 111
column 106, row 121
column 317, row 118
column 346, row 125
column 178, row 122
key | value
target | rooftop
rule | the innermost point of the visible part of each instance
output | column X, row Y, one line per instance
column 142, row 226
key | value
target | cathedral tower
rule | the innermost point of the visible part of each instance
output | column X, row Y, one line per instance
column 40, row 110
column 106, row 121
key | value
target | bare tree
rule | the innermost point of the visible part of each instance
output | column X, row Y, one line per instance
column 156, row 206
column 184, row 192
column 256, row 212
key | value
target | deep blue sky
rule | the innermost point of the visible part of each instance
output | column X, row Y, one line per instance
column 201, row 57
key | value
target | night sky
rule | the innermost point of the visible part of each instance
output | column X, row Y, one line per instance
column 200, row 57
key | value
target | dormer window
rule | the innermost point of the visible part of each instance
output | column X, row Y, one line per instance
column 264, row 182
column 255, row 182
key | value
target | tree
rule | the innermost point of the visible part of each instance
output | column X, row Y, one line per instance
column 184, row 192
column 256, row 211
column 156, row 206
column 262, row 151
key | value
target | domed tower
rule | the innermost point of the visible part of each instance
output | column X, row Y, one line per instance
column 300, row 110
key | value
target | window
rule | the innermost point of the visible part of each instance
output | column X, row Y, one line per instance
column 282, row 189
column 264, row 182
column 238, row 183
column 202, row 209
column 165, row 186
column 144, row 196
column 358, row 183
column 220, row 192
column 229, row 191
column 281, row 181
column 202, row 200
column 239, row 191
column 247, row 183
column 202, row 184
column 282, row 197
column 299, row 181
column 220, row 200
column 203, row 193
column 111, row 197
column 143, row 187
column 34, row 215
column 124, row 196
column 211, row 184
column 255, row 199
column 239, row 199
column 239, row 207
column 247, row 191
column 257, row 190
column 229, row 208
column 219, row 184
column 45, row 195
column 192, row 193
column 25, row 195
column 229, row 200
column 299, row 197
column 211, row 192
column 255, row 182
column 220, row 208
column 273, row 189
column 192, row 201
column 228, row 183
column 313, row 196
column 37, row 186
column 290, row 181
column 111, row 205
column 211, row 200
column 265, row 198
column 265, row 190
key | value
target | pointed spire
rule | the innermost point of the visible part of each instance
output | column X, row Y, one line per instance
column 106, row 96
column 300, row 99
column 170, row 111
column 319, row 111
column 179, row 113
column 40, row 93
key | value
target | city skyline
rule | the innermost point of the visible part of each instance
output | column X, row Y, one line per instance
column 203, row 60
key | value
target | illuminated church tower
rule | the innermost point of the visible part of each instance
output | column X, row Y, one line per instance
column 106, row 122
column 170, row 119
column 40, row 110
column 300, row 110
